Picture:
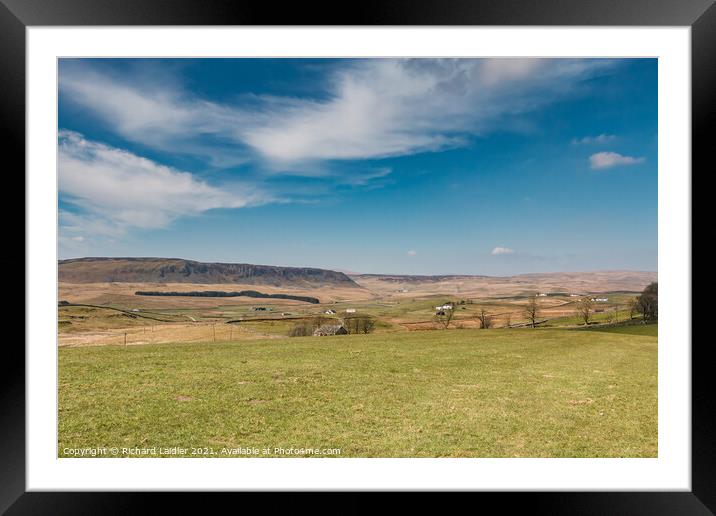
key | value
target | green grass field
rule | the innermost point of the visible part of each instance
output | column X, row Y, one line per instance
column 450, row 393
column 651, row 330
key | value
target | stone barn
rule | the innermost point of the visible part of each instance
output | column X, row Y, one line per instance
column 330, row 329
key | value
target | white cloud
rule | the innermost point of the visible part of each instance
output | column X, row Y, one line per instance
column 366, row 177
column 372, row 108
column 502, row 250
column 602, row 160
column 381, row 107
column 157, row 115
column 412, row 252
column 590, row 140
column 117, row 190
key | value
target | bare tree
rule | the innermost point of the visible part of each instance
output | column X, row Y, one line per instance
column 351, row 323
column 356, row 323
column 319, row 320
column 367, row 325
column 301, row 329
column 485, row 319
column 444, row 316
column 609, row 315
column 508, row 320
column 585, row 309
column 633, row 307
column 648, row 302
column 532, row 310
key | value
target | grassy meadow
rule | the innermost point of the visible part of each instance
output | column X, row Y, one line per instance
column 442, row 393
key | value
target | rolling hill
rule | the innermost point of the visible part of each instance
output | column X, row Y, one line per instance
column 397, row 285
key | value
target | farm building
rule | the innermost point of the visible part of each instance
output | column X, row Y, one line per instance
column 330, row 311
column 330, row 329
column 350, row 310
column 600, row 299
column 444, row 307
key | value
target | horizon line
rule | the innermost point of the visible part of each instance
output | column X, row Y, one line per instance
column 352, row 273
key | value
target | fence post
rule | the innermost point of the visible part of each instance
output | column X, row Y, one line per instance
column 125, row 339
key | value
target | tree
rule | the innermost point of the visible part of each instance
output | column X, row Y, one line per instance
column 610, row 316
column 355, row 323
column 584, row 309
column 351, row 323
column 485, row 319
column 444, row 316
column 508, row 320
column 302, row 329
column 532, row 311
column 368, row 325
column 319, row 320
column 648, row 303
column 633, row 307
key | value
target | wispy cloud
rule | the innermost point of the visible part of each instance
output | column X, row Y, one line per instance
column 502, row 250
column 372, row 108
column 592, row 140
column 156, row 113
column 380, row 108
column 116, row 190
column 412, row 252
column 602, row 160
column 372, row 177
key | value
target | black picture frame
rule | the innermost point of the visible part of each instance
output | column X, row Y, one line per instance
column 16, row 15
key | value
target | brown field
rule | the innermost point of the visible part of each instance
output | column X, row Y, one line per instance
column 122, row 294
column 398, row 303
column 162, row 333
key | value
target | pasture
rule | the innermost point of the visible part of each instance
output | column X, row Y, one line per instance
column 444, row 393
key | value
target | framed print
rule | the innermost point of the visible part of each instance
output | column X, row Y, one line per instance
column 414, row 250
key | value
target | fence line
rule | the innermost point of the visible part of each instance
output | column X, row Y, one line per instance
column 156, row 334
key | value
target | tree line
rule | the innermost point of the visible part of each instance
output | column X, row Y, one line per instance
column 646, row 304
column 219, row 293
column 353, row 323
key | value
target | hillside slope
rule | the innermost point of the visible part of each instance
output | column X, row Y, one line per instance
column 174, row 270
column 397, row 285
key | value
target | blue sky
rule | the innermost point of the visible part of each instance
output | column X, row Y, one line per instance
column 465, row 166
